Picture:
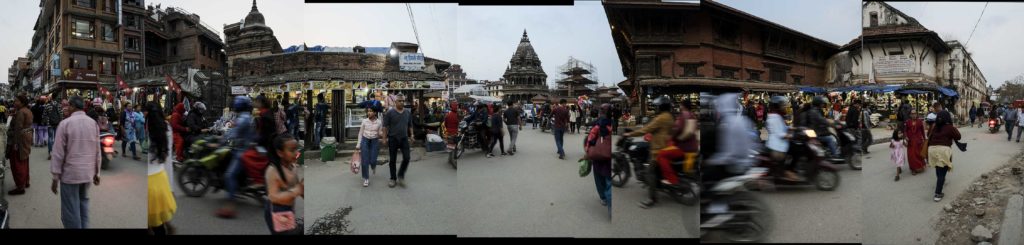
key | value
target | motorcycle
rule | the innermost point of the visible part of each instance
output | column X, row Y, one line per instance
column 206, row 167
column 993, row 125
column 849, row 150
column 467, row 139
column 455, row 144
column 637, row 153
column 803, row 150
column 107, row 143
column 730, row 209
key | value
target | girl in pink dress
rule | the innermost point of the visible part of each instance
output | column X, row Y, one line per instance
column 899, row 152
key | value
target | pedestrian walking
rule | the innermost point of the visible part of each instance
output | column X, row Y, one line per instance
column 573, row 113
column 280, row 118
column 161, row 203
column 915, row 133
column 514, row 123
column 319, row 120
column 973, row 113
column 1020, row 123
column 370, row 134
column 75, row 165
column 51, row 118
column 899, row 152
column 284, row 187
column 398, row 128
column 180, row 131
column 1010, row 118
column 561, row 115
column 139, row 121
column 38, row 108
column 940, row 152
column 19, row 144
column 496, row 125
column 601, row 134
column 130, row 133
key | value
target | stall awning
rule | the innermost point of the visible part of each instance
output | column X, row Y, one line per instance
column 816, row 90
column 726, row 83
column 911, row 91
column 948, row 92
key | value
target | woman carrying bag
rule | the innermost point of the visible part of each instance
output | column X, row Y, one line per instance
column 598, row 149
column 369, row 139
column 940, row 152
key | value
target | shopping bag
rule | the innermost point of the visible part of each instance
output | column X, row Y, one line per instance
column 584, row 167
column 355, row 163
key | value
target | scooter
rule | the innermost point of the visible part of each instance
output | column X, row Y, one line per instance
column 849, row 150
column 206, row 169
column 993, row 125
column 107, row 143
column 730, row 209
column 803, row 150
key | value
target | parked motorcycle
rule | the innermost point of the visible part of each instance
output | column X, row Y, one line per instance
column 467, row 139
column 807, row 153
column 107, row 143
column 730, row 209
column 206, row 167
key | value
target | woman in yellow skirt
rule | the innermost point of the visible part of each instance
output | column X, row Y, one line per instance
column 161, row 202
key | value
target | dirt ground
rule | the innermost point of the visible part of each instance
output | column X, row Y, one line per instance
column 982, row 204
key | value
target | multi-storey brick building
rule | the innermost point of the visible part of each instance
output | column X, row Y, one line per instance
column 685, row 48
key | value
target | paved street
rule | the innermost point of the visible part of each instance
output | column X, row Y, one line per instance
column 903, row 212
column 425, row 207
column 118, row 202
column 806, row 214
column 535, row 194
column 195, row 215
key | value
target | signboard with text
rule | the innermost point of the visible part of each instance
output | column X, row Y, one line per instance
column 894, row 64
column 410, row 62
column 237, row 90
column 81, row 75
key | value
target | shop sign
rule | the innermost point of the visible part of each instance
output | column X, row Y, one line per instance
column 237, row 90
column 410, row 62
column 437, row 85
column 894, row 64
column 81, row 75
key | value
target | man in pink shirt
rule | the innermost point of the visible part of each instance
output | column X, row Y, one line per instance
column 75, row 163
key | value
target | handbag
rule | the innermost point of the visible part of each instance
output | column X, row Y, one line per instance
column 602, row 151
column 355, row 163
column 283, row 221
column 962, row 146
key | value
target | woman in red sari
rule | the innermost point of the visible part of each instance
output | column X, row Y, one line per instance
column 915, row 142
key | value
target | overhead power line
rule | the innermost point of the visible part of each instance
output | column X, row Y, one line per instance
column 414, row 31
column 976, row 24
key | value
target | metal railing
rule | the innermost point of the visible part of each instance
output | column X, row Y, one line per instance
column 197, row 20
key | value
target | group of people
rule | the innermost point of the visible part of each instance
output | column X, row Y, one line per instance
column 920, row 141
column 388, row 123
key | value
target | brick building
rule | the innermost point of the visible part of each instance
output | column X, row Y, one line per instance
column 250, row 38
column 76, row 45
column 685, row 48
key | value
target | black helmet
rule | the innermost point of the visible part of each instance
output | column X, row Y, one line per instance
column 778, row 102
column 664, row 103
column 818, row 101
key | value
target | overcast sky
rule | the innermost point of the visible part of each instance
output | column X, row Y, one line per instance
column 997, row 42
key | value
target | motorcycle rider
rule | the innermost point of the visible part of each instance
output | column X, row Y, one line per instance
column 778, row 136
column 814, row 118
column 195, row 121
column 661, row 130
column 451, row 123
column 478, row 119
column 240, row 136
column 735, row 141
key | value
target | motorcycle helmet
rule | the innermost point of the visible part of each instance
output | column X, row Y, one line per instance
column 778, row 102
column 241, row 104
column 664, row 103
column 818, row 101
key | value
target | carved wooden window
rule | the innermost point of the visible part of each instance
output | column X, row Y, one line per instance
column 777, row 75
column 797, row 79
column 690, row 69
column 726, row 32
column 726, row 72
column 755, row 75
column 648, row 66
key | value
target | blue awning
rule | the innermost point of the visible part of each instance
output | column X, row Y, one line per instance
column 948, row 92
column 888, row 88
column 812, row 90
column 911, row 91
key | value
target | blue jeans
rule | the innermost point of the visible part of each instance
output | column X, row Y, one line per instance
column 74, row 205
column 231, row 176
column 49, row 143
column 559, row 132
column 293, row 128
column 369, row 149
column 830, row 141
column 318, row 132
column 604, row 187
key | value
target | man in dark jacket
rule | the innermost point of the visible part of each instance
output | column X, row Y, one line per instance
column 855, row 121
column 195, row 121
column 815, row 119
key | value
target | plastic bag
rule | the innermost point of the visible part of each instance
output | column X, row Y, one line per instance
column 354, row 164
column 434, row 138
column 584, row 167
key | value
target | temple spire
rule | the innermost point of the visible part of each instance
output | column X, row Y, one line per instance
column 254, row 9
